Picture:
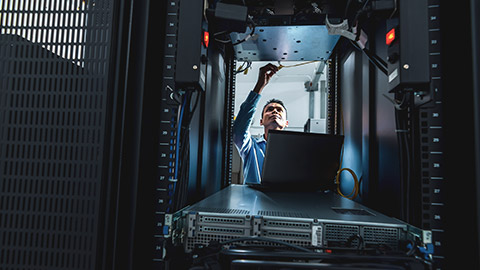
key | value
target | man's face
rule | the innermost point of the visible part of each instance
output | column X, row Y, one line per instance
column 274, row 117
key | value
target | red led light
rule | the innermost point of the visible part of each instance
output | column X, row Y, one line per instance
column 390, row 37
column 206, row 38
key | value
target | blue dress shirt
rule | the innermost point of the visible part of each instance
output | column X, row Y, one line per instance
column 252, row 150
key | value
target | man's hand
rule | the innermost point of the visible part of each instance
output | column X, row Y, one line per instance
column 265, row 73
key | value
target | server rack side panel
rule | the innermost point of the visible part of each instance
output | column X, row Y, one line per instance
column 53, row 123
column 214, row 125
column 460, row 212
column 352, row 117
column 475, row 15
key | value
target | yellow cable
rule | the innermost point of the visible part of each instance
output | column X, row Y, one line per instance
column 356, row 187
column 240, row 67
column 280, row 66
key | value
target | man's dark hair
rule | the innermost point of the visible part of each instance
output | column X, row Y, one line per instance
column 274, row 100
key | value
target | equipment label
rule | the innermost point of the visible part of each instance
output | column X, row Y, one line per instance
column 393, row 75
column 316, row 235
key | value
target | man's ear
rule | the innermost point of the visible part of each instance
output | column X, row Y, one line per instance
column 261, row 122
column 286, row 123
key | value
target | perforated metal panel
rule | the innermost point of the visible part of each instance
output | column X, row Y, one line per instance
column 54, row 59
column 339, row 232
column 282, row 214
column 221, row 210
column 381, row 235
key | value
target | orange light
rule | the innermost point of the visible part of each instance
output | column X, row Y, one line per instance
column 206, row 38
column 390, row 37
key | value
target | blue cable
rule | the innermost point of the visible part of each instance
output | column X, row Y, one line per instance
column 177, row 148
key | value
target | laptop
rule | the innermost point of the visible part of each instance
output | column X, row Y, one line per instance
column 299, row 161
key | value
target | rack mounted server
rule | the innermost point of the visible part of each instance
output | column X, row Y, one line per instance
column 311, row 220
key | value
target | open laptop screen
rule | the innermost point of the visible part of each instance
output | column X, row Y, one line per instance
column 298, row 160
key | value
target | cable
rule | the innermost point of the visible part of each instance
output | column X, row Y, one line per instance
column 177, row 146
column 395, row 9
column 399, row 104
column 177, row 163
column 376, row 61
column 360, row 241
column 280, row 66
column 413, row 248
column 410, row 150
column 399, row 131
column 182, row 188
column 223, row 41
column 242, row 69
column 347, row 7
column 425, row 103
column 249, row 35
column 404, row 115
column 356, row 184
column 220, row 33
column 183, row 148
column 360, row 11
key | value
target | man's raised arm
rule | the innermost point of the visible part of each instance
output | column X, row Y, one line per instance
column 243, row 121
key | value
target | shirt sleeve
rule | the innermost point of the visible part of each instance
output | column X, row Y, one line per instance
column 241, row 134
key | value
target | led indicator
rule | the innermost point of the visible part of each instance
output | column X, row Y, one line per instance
column 390, row 37
column 206, row 38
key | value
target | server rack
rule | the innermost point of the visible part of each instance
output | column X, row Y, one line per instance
column 102, row 54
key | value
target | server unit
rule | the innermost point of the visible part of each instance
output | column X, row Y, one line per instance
column 243, row 212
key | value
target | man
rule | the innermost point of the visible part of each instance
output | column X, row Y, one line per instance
column 274, row 116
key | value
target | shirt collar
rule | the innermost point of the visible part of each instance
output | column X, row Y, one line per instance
column 260, row 139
